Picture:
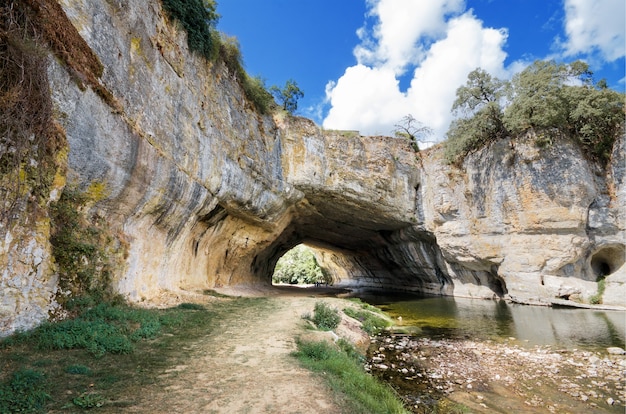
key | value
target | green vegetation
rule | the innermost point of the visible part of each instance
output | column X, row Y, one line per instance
column 325, row 317
column 24, row 392
column 27, row 129
column 343, row 370
column 107, row 350
column 596, row 299
column 548, row 98
column 479, row 104
column 197, row 17
column 372, row 323
column 103, row 328
column 288, row 95
column 82, row 247
column 299, row 265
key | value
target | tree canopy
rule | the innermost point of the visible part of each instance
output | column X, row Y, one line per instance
column 288, row 95
column 546, row 96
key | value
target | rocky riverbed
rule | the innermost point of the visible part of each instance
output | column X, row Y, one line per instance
column 444, row 375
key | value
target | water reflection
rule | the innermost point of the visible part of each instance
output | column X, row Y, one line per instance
column 485, row 319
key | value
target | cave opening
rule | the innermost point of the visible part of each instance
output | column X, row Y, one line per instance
column 606, row 261
column 300, row 266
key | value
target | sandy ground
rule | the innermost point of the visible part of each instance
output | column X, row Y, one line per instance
column 244, row 366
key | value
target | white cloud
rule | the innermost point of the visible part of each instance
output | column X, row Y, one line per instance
column 433, row 39
column 401, row 24
column 595, row 26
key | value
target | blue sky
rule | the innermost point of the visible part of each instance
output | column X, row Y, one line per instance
column 365, row 64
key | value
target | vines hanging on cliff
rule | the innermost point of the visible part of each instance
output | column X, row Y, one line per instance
column 28, row 137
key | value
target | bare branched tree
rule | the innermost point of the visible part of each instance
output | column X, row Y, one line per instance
column 413, row 130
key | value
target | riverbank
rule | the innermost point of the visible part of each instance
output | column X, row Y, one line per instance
column 234, row 355
column 488, row 377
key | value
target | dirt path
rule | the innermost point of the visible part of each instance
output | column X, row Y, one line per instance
column 244, row 366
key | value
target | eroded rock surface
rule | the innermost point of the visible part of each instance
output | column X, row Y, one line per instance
column 204, row 192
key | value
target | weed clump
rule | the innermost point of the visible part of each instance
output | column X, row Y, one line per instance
column 325, row 317
column 596, row 299
column 197, row 18
column 24, row 392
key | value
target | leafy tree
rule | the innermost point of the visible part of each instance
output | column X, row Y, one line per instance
column 596, row 118
column 299, row 265
column 563, row 97
column 546, row 96
column 538, row 95
column 480, row 91
column 288, row 95
column 479, row 103
column 410, row 129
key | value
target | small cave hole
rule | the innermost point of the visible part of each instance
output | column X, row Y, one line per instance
column 607, row 261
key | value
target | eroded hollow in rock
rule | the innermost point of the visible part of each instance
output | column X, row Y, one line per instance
column 607, row 260
column 366, row 256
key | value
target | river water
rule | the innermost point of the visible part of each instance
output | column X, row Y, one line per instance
column 447, row 317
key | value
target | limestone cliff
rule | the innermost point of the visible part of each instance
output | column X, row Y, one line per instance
column 198, row 190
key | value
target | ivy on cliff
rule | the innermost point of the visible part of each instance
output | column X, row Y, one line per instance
column 29, row 139
column 197, row 17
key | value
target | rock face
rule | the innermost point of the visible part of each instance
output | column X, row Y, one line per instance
column 204, row 192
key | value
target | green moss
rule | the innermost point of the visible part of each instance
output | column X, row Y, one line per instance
column 96, row 191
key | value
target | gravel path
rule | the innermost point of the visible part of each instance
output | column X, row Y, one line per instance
column 244, row 366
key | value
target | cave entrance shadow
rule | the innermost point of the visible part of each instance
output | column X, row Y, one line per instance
column 310, row 290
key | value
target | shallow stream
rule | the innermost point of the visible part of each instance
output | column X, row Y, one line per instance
column 453, row 355
column 448, row 317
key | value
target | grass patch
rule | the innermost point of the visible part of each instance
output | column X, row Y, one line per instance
column 104, row 357
column 78, row 369
column 372, row 323
column 191, row 306
column 24, row 392
column 105, row 328
column 344, row 372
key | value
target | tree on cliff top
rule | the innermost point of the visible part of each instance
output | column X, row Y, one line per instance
column 546, row 96
column 411, row 129
column 288, row 95
column 478, row 104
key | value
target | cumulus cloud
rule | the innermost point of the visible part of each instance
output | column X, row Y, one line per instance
column 437, row 42
column 594, row 26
